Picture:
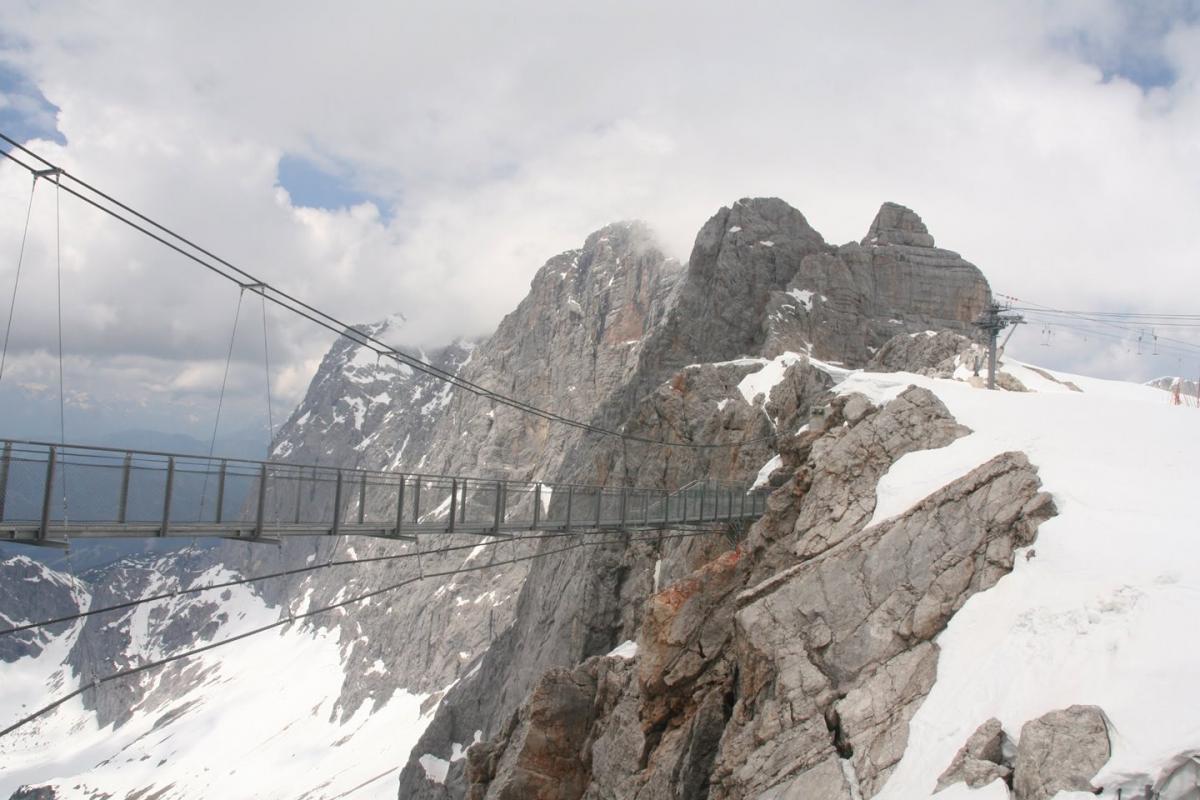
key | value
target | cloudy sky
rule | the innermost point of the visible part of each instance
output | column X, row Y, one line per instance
column 427, row 158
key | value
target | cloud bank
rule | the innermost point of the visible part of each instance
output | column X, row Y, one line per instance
column 438, row 155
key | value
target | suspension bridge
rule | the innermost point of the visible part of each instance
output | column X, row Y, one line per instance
column 159, row 494
column 132, row 493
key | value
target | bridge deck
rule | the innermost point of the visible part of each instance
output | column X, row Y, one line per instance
column 51, row 493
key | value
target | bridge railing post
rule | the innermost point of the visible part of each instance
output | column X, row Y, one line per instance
column 503, row 501
column 416, row 499
column 47, row 495
column 624, row 501
column 5, row 461
column 570, row 503
column 337, row 505
column 166, row 505
column 220, row 490
column 498, row 511
column 462, row 507
column 362, row 498
column 666, row 507
column 400, row 506
column 260, row 514
column 453, row 503
column 537, row 505
column 299, row 493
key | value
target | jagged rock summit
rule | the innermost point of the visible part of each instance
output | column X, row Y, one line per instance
column 761, row 290
column 896, row 224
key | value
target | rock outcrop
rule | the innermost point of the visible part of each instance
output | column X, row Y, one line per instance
column 934, row 353
column 1060, row 751
column 986, row 757
column 717, row 312
column 759, row 679
column 842, row 305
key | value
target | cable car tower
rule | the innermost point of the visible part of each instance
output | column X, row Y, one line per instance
column 994, row 319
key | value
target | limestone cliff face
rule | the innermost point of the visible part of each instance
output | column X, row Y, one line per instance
column 574, row 342
column 847, row 303
column 789, row 665
column 761, row 282
column 718, row 328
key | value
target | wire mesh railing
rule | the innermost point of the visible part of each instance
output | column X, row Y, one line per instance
column 52, row 491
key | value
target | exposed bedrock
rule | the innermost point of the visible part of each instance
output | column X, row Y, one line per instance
column 790, row 665
column 657, row 349
column 1060, row 751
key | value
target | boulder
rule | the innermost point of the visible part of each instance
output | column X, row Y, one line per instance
column 985, row 757
column 1060, row 751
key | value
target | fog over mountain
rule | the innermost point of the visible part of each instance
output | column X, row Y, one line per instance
column 1054, row 139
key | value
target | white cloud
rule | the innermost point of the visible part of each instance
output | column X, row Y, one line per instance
column 505, row 133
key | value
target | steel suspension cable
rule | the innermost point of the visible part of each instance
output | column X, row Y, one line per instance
column 212, row 444
column 62, row 401
column 267, row 369
column 12, row 305
column 331, row 323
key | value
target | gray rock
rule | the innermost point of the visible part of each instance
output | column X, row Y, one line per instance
column 1060, row 751
column 985, row 757
column 895, row 224
column 865, row 606
column 802, row 684
column 934, row 355
column 827, row 780
column 29, row 592
column 844, row 304
column 847, row 464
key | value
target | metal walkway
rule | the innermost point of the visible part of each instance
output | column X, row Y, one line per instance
column 51, row 493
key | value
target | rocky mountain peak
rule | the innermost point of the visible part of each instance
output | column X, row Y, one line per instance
column 767, row 218
column 896, row 224
column 626, row 237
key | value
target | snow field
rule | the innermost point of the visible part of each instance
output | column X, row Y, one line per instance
column 261, row 723
column 1098, row 610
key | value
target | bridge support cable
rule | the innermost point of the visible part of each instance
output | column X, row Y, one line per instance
column 212, row 444
column 96, row 682
column 62, row 400
column 267, row 371
column 12, row 304
column 125, row 214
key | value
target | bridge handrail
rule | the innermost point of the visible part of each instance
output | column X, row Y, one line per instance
column 83, row 449
column 252, row 497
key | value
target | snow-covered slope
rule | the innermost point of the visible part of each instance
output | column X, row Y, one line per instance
column 1100, row 611
column 257, row 718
